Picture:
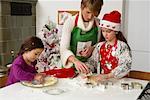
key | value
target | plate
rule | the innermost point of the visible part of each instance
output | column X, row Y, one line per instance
column 48, row 82
column 55, row 91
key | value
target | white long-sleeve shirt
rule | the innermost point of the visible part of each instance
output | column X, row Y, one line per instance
column 124, row 59
column 66, row 35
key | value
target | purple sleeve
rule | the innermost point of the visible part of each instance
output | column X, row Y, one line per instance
column 22, row 75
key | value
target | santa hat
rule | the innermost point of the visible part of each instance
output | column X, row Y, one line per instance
column 111, row 21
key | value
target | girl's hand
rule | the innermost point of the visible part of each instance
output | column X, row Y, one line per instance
column 87, row 52
column 102, row 77
column 39, row 77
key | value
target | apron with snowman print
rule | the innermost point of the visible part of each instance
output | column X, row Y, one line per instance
column 108, row 60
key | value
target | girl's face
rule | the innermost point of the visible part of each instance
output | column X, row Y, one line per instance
column 87, row 14
column 33, row 54
column 108, row 34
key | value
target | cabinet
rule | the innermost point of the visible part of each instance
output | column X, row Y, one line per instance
column 3, row 80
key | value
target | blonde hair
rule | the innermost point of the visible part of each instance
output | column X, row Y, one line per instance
column 94, row 5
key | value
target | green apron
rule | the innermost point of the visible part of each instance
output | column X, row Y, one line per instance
column 77, row 36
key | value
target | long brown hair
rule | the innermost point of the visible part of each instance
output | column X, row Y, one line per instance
column 119, row 36
column 31, row 43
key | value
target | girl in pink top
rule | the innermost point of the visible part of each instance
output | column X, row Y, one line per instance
column 23, row 67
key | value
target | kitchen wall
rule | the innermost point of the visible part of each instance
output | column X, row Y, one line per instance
column 17, row 21
column 137, row 27
column 48, row 9
column 135, row 14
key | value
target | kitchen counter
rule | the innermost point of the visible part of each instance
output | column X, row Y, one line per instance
column 72, row 89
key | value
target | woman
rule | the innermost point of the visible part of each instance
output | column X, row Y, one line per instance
column 79, row 35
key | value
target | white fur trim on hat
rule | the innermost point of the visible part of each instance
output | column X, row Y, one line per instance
column 110, row 25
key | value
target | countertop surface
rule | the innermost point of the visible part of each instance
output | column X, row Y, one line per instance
column 72, row 89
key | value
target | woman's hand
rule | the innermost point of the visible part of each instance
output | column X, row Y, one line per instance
column 81, row 67
column 87, row 51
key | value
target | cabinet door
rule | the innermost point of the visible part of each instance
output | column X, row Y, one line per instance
column 3, row 81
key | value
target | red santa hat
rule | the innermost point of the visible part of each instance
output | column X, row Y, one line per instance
column 111, row 21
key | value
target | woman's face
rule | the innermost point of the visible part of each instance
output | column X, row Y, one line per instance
column 108, row 34
column 87, row 14
column 33, row 54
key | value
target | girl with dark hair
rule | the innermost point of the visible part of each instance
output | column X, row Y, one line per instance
column 112, row 55
column 23, row 67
